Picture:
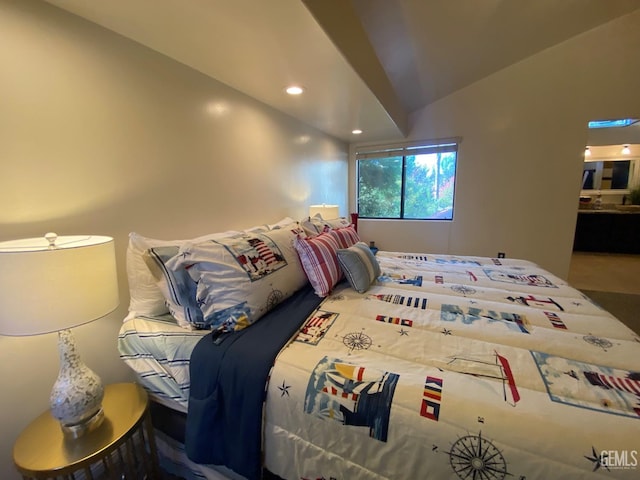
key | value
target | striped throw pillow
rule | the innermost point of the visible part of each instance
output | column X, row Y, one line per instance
column 319, row 259
column 346, row 236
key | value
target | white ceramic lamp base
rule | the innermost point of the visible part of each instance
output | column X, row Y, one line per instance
column 76, row 397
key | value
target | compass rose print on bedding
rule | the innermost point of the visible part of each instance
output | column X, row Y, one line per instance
column 357, row 341
column 337, row 297
column 274, row 298
column 473, row 456
column 463, row 290
column 598, row 342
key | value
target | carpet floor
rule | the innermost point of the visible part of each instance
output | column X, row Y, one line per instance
column 612, row 281
column 624, row 306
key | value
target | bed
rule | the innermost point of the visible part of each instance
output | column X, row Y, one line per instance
column 394, row 366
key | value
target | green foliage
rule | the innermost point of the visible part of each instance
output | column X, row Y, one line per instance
column 428, row 187
column 634, row 196
column 380, row 187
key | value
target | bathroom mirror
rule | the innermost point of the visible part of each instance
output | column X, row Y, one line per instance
column 611, row 167
column 607, row 175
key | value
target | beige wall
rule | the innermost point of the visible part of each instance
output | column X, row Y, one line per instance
column 100, row 135
column 520, row 161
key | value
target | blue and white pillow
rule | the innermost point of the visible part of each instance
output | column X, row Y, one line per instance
column 359, row 265
column 240, row 278
column 177, row 287
column 146, row 289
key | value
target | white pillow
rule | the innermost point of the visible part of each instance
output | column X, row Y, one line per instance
column 339, row 222
column 284, row 223
column 316, row 224
column 146, row 298
column 313, row 225
column 257, row 229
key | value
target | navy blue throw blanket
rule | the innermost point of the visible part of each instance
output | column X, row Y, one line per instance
column 228, row 378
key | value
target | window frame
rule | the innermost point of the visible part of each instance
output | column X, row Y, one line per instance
column 404, row 150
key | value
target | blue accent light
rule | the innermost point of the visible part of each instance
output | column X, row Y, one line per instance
column 623, row 122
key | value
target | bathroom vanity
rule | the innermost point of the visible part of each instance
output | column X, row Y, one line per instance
column 615, row 230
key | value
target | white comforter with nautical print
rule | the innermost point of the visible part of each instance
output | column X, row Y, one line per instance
column 456, row 367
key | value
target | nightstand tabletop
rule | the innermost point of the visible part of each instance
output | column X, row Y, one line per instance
column 41, row 447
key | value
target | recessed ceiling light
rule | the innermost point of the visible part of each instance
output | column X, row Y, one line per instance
column 357, row 131
column 294, row 90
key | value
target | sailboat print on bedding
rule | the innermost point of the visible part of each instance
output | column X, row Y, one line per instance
column 352, row 395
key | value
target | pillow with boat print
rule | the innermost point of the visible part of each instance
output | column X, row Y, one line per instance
column 240, row 278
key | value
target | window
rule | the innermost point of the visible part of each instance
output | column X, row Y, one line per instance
column 408, row 182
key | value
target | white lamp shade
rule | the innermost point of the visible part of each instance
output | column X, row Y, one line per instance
column 44, row 289
column 327, row 212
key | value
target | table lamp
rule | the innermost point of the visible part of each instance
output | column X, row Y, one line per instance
column 327, row 212
column 53, row 284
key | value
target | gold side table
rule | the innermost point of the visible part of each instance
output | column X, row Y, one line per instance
column 117, row 449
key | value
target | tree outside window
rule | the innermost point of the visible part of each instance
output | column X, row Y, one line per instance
column 407, row 183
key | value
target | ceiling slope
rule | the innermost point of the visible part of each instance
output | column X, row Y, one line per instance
column 343, row 26
column 365, row 64
column 257, row 47
column 431, row 48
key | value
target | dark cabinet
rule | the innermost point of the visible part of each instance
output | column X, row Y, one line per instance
column 605, row 231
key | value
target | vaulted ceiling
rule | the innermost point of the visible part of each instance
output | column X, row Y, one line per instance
column 364, row 64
